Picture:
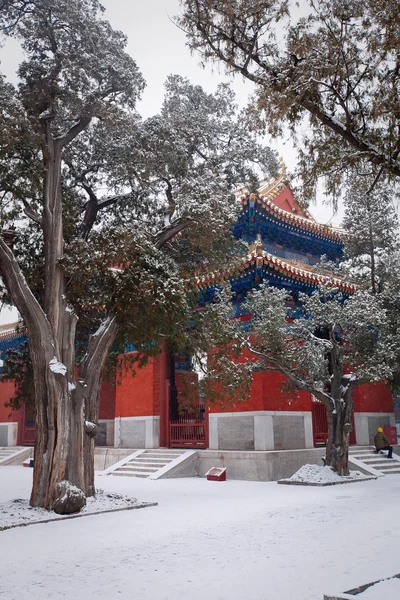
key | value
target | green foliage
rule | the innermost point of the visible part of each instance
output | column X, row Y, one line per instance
column 17, row 367
column 371, row 232
column 144, row 203
column 328, row 70
column 354, row 332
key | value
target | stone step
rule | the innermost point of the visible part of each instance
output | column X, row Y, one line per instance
column 151, row 463
column 135, row 467
column 378, row 464
column 367, row 456
column 14, row 454
column 164, row 459
column 159, row 459
column 168, row 455
column 130, row 474
column 154, row 463
column 164, row 450
column 146, row 459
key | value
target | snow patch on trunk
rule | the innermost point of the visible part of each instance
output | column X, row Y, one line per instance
column 57, row 367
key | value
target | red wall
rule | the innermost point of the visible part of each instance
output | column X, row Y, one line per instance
column 267, row 394
column 107, row 399
column 143, row 393
column 373, row 397
column 6, row 392
column 134, row 393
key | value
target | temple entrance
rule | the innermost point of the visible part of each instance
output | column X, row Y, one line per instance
column 188, row 420
column 190, row 429
column 320, row 424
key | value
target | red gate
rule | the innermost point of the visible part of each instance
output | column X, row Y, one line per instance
column 189, row 431
column 320, row 425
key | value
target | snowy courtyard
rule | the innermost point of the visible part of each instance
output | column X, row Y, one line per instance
column 216, row 540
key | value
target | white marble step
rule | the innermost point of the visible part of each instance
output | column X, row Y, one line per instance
column 149, row 463
column 377, row 464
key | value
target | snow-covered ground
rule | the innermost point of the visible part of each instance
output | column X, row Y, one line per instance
column 208, row 540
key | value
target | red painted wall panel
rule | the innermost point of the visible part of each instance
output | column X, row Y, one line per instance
column 143, row 393
column 373, row 397
column 267, row 393
column 7, row 389
column 107, row 399
column 134, row 393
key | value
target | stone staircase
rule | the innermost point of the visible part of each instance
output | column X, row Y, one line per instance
column 364, row 458
column 151, row 464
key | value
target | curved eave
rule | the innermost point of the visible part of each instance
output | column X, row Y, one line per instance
column 290, row 219
column 260, row 258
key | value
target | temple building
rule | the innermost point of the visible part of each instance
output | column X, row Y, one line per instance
column 141, row 411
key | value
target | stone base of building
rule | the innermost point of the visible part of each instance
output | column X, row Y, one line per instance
column 8, row 434
column 253, row 466
column 234, row 431
column 137, row 432
column 260, row 430
column 366, row 425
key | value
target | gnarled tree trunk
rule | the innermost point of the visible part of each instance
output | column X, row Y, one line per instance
column 339, row 412
column 67, row 404
column 339, row 429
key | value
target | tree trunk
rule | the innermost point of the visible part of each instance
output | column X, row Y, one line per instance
column 339, row 428
column 90, row 371
column 339, row 411
column 66, row 407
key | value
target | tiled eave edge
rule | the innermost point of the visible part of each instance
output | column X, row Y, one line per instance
column 317, row 229
column 258, row 258
column 11, row 334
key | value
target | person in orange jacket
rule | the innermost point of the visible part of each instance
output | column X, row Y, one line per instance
column 382, row 443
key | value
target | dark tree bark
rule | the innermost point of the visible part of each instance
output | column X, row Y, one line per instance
column 66, row 405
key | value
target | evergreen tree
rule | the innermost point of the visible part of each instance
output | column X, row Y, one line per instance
column 371, row 232
column 112, row 205
column 328, row 70
column 327, row 346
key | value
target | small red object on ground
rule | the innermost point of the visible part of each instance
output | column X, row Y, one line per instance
column 391, row 434
column 216, row 474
